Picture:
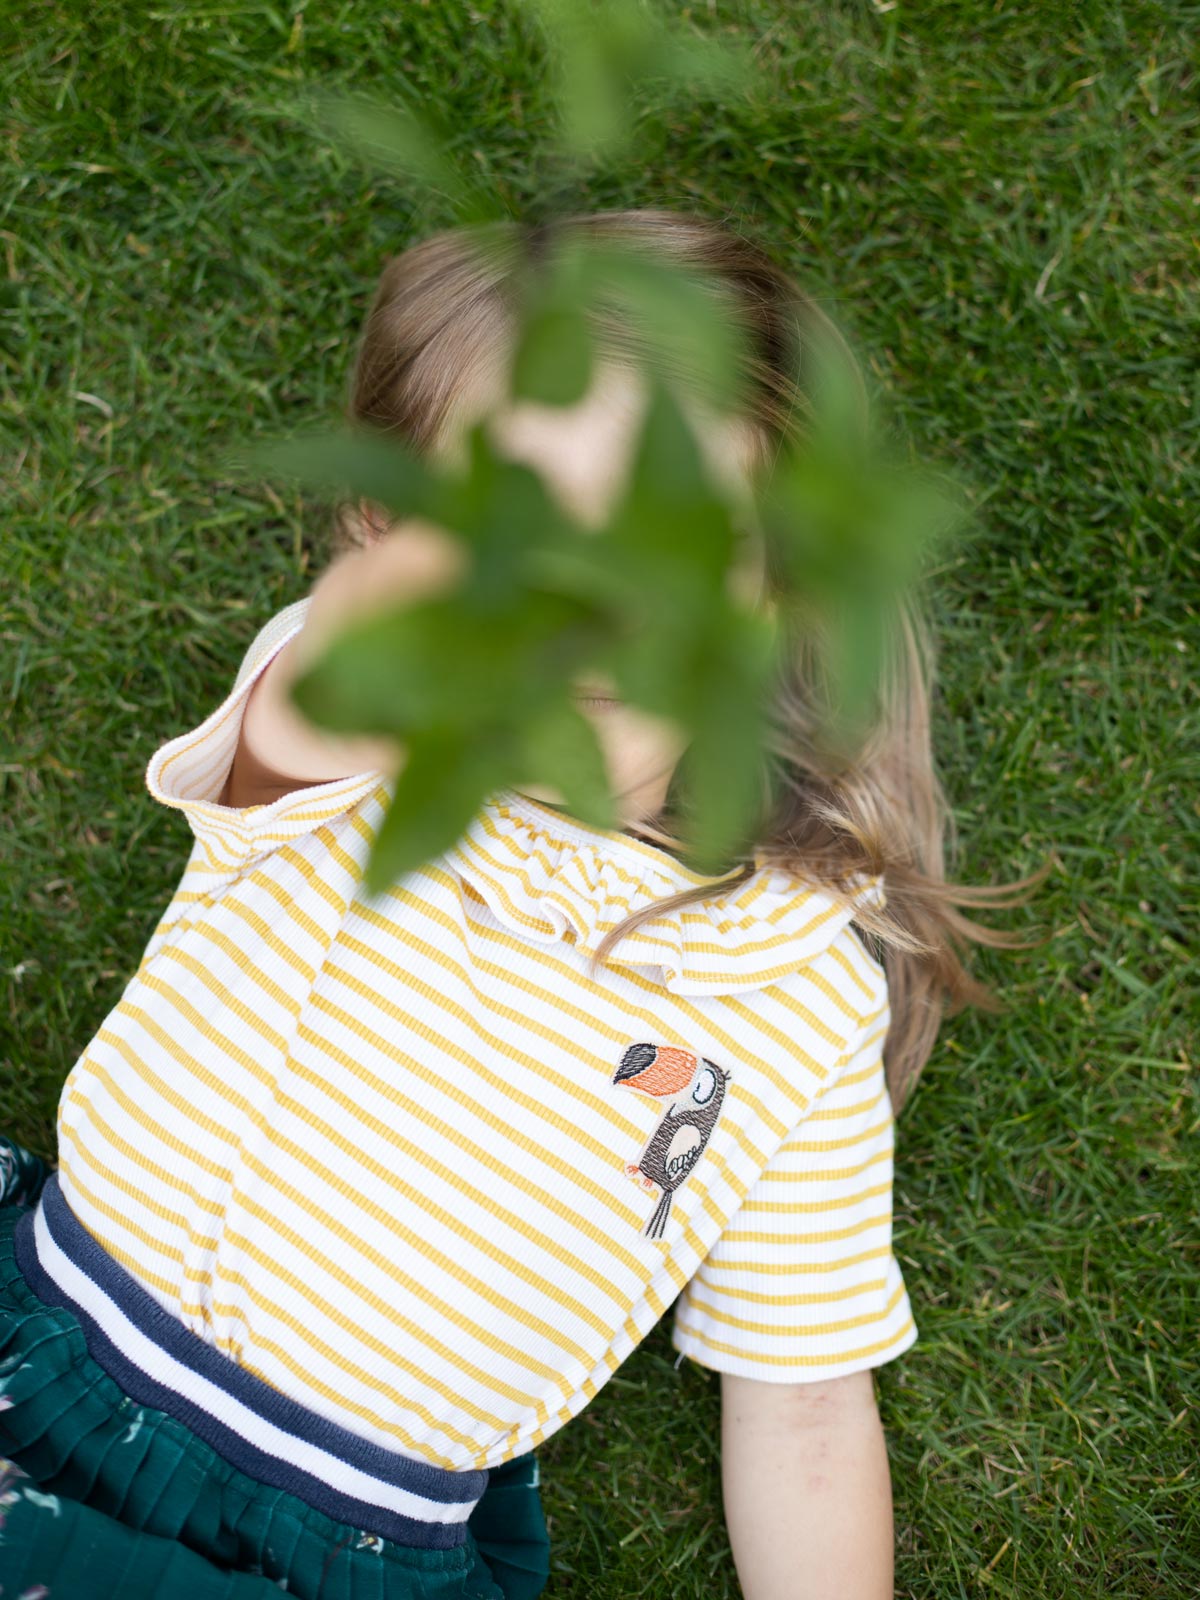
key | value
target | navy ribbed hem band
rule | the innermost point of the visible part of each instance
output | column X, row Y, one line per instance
column 279, row 1441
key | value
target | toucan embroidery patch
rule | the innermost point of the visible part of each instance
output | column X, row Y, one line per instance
column 693, row 1090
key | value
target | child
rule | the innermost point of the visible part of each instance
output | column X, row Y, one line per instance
column 360, row 1198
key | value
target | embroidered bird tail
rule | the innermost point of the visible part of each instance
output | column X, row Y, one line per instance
column 657, row 1225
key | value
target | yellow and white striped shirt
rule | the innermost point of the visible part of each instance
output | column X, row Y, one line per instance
column 399, row 1155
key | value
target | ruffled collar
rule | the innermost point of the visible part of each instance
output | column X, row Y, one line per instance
column 555, row 879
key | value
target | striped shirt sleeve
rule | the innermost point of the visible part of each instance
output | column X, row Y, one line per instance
column 802, row 1285
column 188, row 772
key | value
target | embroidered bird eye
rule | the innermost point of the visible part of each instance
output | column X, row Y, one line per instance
column 706, row 1087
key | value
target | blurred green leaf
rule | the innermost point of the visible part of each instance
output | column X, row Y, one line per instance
column 364, row 682
column 685, row 332
column 438, row 792
column 601, row 56
column 446, row 662
column 596, row 55
column 852, row 528
column 409, row 144
column 702, row 65
column 730, row 681
column 553, row 361
column 363, row 461
column 559, row 739
column 671, row 531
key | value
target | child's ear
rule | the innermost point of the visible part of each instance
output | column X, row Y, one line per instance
column 373, row 520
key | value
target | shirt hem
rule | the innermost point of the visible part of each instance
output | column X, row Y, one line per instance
column 803, row 1371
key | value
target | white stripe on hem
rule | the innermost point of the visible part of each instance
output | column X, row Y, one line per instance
column 256, row 1430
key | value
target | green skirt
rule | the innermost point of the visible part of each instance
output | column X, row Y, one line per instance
column 103, row 1497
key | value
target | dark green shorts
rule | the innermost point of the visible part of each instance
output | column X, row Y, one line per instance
column 102, row 1496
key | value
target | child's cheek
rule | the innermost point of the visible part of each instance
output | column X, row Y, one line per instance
column 641, row 751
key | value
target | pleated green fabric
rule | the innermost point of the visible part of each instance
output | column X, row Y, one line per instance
column 102, row 1497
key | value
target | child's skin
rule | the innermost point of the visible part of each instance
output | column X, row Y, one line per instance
column 804, row 1467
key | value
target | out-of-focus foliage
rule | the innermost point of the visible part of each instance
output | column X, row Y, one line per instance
column 477, row 685
column 604, row 52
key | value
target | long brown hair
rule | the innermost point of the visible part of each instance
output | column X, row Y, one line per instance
column 442, row 321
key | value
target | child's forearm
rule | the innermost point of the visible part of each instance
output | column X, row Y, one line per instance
column 808, row 1493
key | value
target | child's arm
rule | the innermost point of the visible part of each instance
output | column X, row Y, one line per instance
column 808, row 1494
column 413, row 562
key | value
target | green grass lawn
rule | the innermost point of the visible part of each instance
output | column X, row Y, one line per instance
column 999, row 202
